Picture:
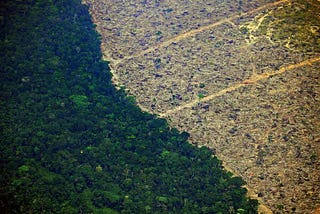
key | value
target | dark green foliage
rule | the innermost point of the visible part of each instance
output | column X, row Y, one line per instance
column 71, row 143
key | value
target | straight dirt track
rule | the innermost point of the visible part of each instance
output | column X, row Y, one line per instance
column 250, row 81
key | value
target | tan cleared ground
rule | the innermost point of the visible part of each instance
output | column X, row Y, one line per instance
column 242, row 77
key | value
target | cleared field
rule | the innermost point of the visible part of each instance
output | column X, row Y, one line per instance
column 241, row 76
column 267, row 132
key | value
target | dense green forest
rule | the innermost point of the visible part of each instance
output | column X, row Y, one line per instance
column 72, row 143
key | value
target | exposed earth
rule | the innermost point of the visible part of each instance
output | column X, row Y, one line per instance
column 242, row 77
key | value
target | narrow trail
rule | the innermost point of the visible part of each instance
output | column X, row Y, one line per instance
column 199, row 30
column 252, row 80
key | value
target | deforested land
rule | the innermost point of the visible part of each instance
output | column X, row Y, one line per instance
column 241, row 76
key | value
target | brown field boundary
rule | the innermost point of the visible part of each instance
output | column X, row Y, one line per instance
column 199, row 30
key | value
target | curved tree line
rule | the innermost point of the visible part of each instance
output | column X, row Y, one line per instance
column 72, row 143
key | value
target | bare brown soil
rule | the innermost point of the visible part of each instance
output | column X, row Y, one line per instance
column 242, row 77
